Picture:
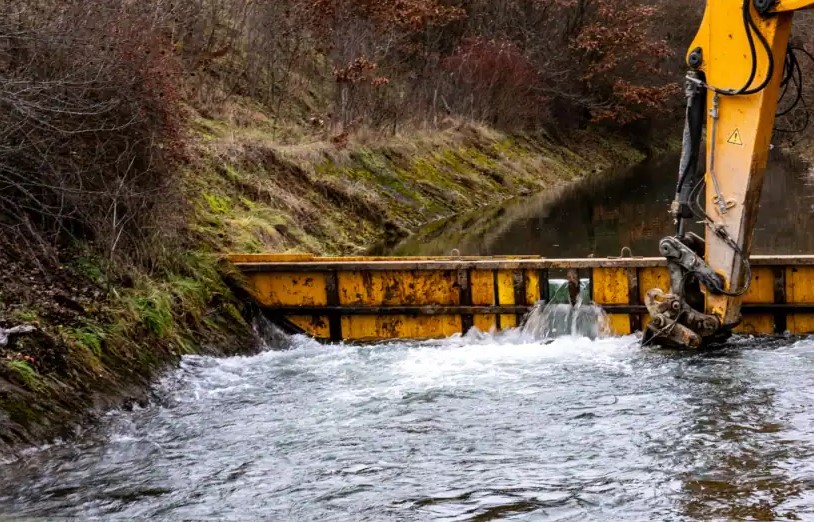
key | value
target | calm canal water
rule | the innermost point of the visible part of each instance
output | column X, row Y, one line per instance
column 601, row 214
column 472, row 428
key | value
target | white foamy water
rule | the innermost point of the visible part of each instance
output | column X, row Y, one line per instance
column 476, row 427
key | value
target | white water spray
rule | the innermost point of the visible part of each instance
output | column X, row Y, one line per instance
column 559, row 318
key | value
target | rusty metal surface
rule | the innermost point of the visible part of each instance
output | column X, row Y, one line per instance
column 248, row 264
column 504, row 309
column 383, row 298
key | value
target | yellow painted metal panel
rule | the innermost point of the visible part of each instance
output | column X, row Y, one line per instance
column 532, row 279
column 800, row 323
column 368, row 259
column 505, row 287
column 269, row 258
column 314, row 325
column 371, row 328
column 485, row 322
column 483, row 287
column 401, row 286
column 755, row 324
column 800, row 284
column 505, row 292
column 619, row 324
column 508, row 321
column 792, row 5
column 610, row 286
column 653, row 277
column 398, row 287
column 800, row 289
column 762, row 288
column 288, row 289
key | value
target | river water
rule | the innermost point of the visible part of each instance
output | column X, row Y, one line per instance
column 477, row 428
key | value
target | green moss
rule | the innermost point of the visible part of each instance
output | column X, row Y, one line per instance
column 27, row 315
column 26, row 374
column 153, row 311
column 218, row 204
column 450, row 159
column 479, row 158
column 91, row 268
column 250, row 204
column 210, row 128
column 229, row 310
column 19, row 410
column 505, row 146
column 84, row 358
column 231, row 173
column 191, row 295
column 370, row 160
column 90, row 337
column 326, row 168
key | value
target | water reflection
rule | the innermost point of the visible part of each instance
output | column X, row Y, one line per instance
column 603, row 213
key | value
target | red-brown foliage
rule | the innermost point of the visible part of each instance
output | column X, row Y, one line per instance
column 621, row 63
column 91, row 91
column 497, row 74
column 515, row 64
column 90, row 125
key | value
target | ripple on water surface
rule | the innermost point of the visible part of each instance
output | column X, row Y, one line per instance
column 473, row 428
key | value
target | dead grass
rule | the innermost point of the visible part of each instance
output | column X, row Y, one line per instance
column 252, row 193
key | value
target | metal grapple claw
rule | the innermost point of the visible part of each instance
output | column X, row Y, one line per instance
column 674, row 322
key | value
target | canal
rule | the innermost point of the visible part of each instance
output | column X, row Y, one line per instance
column 603, row 213
column 481, row 427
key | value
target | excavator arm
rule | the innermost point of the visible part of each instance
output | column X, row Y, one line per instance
column 736, row 62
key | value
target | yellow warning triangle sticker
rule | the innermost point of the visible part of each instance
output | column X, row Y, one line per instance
column 735, row 138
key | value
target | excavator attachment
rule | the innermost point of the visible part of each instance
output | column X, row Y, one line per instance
column 736, row 72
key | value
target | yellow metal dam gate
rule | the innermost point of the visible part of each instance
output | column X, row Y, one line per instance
column 379, row 298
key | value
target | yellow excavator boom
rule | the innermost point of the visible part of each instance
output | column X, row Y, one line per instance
column 737, row 65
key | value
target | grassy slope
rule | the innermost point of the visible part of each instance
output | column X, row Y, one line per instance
column 251, row 194
column 100, row 345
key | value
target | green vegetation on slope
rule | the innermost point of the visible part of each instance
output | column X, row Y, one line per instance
column 98, row 345
column 253, row 195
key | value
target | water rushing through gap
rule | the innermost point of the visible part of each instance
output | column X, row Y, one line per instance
column 480, row 427
column 547, row 321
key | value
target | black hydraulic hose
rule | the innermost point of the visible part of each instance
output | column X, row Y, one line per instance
column 691, row 149
column 747, row 15
column 751, row 25
column 795, row 75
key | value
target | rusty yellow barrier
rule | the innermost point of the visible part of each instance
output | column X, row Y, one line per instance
column 379, row 298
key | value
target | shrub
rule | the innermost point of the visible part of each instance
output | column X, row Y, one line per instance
column 90, row 124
